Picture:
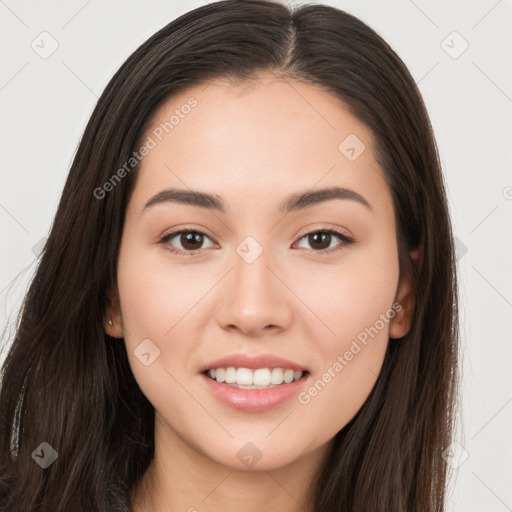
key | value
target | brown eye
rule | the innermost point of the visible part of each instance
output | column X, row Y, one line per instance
column 187, row 241
column 191, row 240
column 320, row 241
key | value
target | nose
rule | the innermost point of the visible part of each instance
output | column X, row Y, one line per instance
column 254, row 299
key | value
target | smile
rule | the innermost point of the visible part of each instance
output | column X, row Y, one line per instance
column 254, row 397
column 260, row 378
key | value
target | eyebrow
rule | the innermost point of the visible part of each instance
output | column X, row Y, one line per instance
column 294, row 202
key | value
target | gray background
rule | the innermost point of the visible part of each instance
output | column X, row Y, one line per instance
column 47, row 99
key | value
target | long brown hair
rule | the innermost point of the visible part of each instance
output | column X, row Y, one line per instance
column 67, row 383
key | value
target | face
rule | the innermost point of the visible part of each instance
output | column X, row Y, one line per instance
column 249, row 272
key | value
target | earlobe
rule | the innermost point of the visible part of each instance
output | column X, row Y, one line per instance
column 113, row 323
column 401, row 323
column 113, row 329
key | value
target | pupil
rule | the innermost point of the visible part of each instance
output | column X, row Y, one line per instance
column 322, row 234
column 190, row 238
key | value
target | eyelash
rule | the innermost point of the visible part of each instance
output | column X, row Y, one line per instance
column 344, row 239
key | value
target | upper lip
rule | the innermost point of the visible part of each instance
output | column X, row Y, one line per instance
column 253, row 362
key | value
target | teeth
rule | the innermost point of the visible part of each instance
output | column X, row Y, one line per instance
column 230, row 376
column 288, row 376
column 254, row 379
column 277, row 376
column 262, row 377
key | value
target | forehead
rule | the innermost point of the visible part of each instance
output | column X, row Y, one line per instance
column 260, row 137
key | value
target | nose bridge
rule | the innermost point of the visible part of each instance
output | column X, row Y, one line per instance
column 254, row 298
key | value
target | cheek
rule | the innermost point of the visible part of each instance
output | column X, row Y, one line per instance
column 350, row 362
column 354, row 302
column 350, row 297
column 155, row 294
column 154, row 305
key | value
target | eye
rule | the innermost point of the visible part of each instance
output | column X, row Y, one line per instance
column 321, row 240
column 191, row 240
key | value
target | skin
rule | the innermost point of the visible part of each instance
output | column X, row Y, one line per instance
column 254, row 144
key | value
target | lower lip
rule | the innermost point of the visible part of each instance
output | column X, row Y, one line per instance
column 253, row 400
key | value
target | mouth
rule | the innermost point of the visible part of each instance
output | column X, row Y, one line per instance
column 254, row 382
column 254, row 390
column 259, row 378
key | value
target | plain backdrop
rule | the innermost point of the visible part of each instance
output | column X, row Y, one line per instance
column 56, row 59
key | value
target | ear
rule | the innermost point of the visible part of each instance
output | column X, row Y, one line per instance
column 113, row 315
column 400, row 324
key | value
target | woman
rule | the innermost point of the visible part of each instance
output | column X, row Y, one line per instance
column 248, row 295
